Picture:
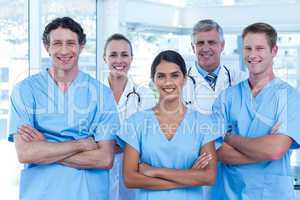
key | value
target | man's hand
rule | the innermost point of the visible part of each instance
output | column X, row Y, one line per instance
column 88, row 144
column 30, row 134
column 147, row 170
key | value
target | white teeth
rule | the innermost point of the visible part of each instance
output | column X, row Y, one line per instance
column 169, row 90
column 253, row 62
column 119, row 67
column 64, row 59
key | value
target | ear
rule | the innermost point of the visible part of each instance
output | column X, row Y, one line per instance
column 223, row 45
column 274, row 50
column 46, row 46
column 193, row 47
column 81, row 48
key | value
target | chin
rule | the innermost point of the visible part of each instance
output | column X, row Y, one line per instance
column 170, row 98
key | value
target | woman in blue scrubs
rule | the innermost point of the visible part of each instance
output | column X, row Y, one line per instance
column 169, row 151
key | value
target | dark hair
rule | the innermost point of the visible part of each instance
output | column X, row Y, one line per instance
column 117, row 36
column 168, row 56
column 64, row 22
column 264, row 28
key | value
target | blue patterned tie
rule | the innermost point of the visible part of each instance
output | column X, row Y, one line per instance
column 211, row 78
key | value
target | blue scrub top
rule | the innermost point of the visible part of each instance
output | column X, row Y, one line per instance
column 86, row 109
column 253, row 117
column 142, row 132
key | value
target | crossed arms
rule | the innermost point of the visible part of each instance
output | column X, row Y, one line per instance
column 32, row 147
column 241, row 150
column 141, row 175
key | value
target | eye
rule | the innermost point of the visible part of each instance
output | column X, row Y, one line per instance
column 56, row 43
column 113, row 55
column 212, row 42
column 71, row 43
column 160, row 76
column 175, row 75
column 200, row 43
column 125, row 55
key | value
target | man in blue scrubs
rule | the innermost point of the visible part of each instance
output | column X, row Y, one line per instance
column 63, row 123
column 261, row 118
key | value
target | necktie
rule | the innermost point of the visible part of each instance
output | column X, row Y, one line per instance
column 211, row 78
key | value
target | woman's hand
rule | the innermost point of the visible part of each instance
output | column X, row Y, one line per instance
column 202, row 161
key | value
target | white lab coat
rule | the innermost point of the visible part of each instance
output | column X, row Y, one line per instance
column 118, row 190
column 201, row 96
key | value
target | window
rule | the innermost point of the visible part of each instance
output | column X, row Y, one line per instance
column 13, row 68
column 85, row 14
column 4, row 75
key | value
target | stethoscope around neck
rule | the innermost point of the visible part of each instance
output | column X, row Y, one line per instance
column 133, row 93
column 192, row 78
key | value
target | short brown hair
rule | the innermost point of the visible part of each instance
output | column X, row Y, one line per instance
column 265, row 28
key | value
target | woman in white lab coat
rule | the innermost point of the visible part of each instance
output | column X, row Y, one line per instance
column 130, row 98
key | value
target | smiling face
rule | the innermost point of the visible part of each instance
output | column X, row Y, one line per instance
column 64, row 49
column 258, row 55
column 169, row 80
column 208, row 47
column 118, row 57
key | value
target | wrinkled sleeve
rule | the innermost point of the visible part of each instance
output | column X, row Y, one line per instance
column 211, row 130
column 21, row 109
column 289, row 115
column 129, row 134
column 108, row 123
column 219, row 117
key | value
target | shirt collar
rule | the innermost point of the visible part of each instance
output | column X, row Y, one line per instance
column 204, row 73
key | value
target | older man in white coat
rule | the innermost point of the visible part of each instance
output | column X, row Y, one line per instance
column 208, row 77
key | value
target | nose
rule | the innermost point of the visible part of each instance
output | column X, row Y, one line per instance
column 64, row 49
column 168, row 81
column 205, row 47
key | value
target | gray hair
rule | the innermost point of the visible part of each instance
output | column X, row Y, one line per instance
column 207, row 25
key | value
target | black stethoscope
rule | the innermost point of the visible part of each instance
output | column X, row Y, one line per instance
column 194, row 81
column 133, row 93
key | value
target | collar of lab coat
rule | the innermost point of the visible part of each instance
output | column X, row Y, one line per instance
column 222, row 80
column 128, row 88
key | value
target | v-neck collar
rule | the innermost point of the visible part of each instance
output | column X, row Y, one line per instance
column 262, row 91
column 52, row 83
column 156, row 121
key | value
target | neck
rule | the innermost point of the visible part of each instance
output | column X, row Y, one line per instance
column 117, row 85
column 209, row 69
column 171, row 106
column 258, row 82
column 117, row 82
column 63, row 76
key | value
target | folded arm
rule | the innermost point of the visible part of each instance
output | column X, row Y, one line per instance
column 135, row 179
column 229, row 155
column 268, row 147
column 101, row 158
column 190, row 177
column 32, row 147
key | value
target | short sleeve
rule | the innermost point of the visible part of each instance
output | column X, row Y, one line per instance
column 289, row 116
column 211, row 130
column 129, row 134
column 147, row 98
column 107, row 123
column 219, row 113
column 21, row 109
